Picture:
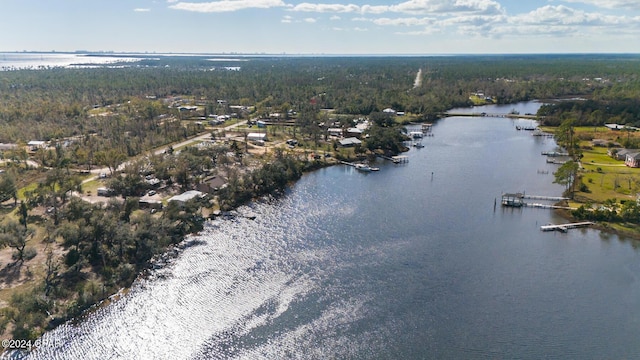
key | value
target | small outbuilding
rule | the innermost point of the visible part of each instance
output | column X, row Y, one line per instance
column 256, row 137
column 36, row 144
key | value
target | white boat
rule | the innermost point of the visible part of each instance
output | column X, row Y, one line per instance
column 418, row 145
column 363, row 167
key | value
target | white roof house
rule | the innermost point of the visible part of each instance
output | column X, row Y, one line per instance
column 186, row 196
column 257, row 136
column 37, row 144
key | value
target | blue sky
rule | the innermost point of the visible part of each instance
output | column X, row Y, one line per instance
column 325, row 27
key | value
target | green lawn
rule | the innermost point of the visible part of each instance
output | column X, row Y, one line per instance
column 607, row 178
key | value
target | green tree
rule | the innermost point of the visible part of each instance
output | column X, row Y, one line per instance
column 14, row 235
column 8, row 188
column 564, row 135
column 566, row 175
column 111, row 158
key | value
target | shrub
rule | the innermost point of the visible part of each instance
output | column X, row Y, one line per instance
column 29, row 253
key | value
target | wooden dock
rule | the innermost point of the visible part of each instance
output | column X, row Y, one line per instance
column 546, row 206
column 554, row 153
column 548, row 198
column 565, row 227
column 517, row 200
column 401, row 159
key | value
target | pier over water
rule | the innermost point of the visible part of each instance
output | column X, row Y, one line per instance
column 518, row 200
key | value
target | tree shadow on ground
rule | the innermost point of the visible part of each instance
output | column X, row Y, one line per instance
column 11, row 273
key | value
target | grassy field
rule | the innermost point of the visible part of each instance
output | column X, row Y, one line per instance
column 607, row 178
column 604, row 176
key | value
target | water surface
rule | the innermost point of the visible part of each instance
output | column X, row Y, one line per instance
column 411, row 262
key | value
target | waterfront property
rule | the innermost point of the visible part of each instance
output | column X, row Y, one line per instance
column 417, row 272
column 212, row 184
column 186, row 196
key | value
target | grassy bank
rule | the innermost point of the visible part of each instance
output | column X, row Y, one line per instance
column 603, row 181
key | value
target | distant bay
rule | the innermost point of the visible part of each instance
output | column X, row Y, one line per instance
column 29, row 60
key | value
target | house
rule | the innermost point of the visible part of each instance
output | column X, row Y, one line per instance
column 256, row 137
column 36, row 144
column 335, row 132
column 186, row 196
column 349, row 142
column 212, row 184
column 600, row 142
column 355, row 132
column 153, row 182
column 621, row 154
column 146, row 203
column 633, row 160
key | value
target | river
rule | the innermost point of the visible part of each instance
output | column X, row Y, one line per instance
column 412, row 262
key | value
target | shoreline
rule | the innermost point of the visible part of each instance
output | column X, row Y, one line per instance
column 603, row 227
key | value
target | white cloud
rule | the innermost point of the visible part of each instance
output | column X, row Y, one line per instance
column 337, row 8
column 486, row 7
column 473, row 20
column 141, row 10
column 564, row 16
column 226, row 5
column 425, row 31
column 334, row 18
column 310, row 20
column 371, row 9
column 562, row 21
column 404, row 21
column 416, row 7
column 286, row 19
column 610, row 4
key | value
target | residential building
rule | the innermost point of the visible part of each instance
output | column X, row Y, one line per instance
column 633, row 160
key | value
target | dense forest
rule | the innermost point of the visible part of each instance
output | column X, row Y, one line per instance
column 59, row 103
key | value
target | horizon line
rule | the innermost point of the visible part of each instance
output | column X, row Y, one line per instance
column 113, row 52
